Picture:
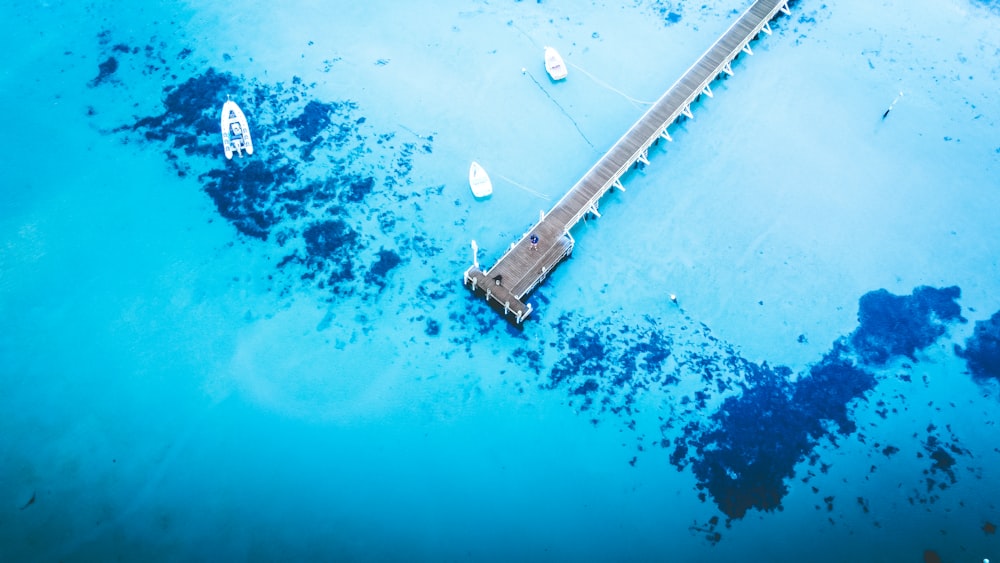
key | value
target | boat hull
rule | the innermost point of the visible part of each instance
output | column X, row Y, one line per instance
column 554, row 64
column 235, row 131
column 479, row 181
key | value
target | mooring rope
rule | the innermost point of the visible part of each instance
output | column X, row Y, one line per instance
column 525, row 188
column 525, row 71
column 604, row 84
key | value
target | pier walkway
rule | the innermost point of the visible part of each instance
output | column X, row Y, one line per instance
column 533, row 257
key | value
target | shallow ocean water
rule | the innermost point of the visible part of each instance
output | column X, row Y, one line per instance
column 274, row 359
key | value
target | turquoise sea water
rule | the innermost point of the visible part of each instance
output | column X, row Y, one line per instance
column 273, row 358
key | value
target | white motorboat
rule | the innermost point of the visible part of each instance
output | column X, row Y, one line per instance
column 554, row 64
column 235, row 131
column 479, row 180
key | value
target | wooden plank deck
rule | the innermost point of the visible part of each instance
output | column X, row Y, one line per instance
column 525, row 264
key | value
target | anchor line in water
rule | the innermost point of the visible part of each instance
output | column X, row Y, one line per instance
column 568, row 116
column 535, row 193
column 522, row 32
column 414, row 133
column 596, row 80
column 604, row 84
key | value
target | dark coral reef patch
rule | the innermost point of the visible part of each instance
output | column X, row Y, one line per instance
column 742, row 427
column 322, row 183
column 751, row 445
column 895, row 325
column 754, row 441
column 982, row 349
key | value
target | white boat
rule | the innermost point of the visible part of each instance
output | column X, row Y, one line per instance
column 235, row 131
column 554, row 64
column 479, row 180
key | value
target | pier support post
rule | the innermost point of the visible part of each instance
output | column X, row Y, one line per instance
column 687, row 112
column 785, row 10
column 618, row 184
column 746, row 49
column 728, row 68
column 707, row 91
column 767, row 28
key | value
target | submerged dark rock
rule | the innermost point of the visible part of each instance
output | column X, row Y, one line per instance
column 899, row 325
column 355, row 189
column 831, row 385
column 315, row 118
column 385, row 262
column 326, row 239
column 982, row 349
column 241, row 193
column 105, row 70
column 432, row 328
column 752, row 448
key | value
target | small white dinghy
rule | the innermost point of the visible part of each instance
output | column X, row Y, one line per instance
column 235, row 131
column 479, row 180
column 554, row 64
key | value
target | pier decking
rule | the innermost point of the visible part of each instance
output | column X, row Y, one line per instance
column 530, row 260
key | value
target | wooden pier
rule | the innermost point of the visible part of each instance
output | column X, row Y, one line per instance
column 533, row 257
